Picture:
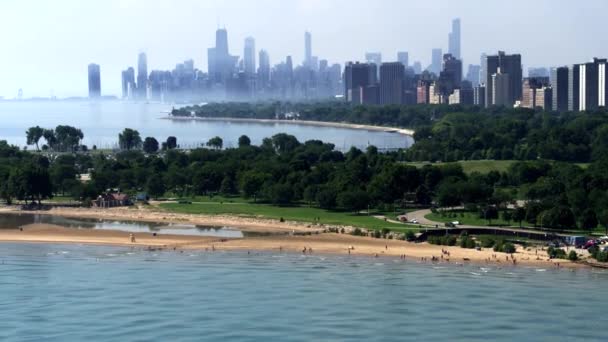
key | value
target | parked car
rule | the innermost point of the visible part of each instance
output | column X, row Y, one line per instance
column 450, row 224
column 414, row 221
column 589, row 244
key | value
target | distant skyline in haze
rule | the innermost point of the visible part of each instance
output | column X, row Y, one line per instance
column 47, row 45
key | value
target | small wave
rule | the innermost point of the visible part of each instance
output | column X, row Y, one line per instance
column 475, row 273
column 540, row 270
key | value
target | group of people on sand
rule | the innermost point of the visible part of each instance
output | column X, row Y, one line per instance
column 307, row 250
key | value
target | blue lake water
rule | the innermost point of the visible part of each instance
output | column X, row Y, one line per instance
column 78, row 293
column 101, row 122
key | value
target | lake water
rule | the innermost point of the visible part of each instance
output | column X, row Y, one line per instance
column 101, row 122
column 11, row 221
column 78, row 293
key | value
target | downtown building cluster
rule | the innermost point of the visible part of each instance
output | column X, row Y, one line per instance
column 234, row 78
column 496, row 81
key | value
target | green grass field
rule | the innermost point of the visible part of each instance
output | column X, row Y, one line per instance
column 482, row 166
column 466, row 218
column 241, row 207
column 470, row 166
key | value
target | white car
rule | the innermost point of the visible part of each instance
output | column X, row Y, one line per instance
column 455, row 223
column 414, row 221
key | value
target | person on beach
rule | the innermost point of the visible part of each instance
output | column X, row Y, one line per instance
column 132, row 238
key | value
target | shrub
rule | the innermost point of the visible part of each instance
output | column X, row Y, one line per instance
column 556, row 253
column 572, row 256
column 508, row 248
column 410, row 236
column 467, row 242
column 601, row 256
column 357, row 232
column 487, row 242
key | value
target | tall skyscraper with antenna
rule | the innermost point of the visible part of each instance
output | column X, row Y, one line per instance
column 454, row 39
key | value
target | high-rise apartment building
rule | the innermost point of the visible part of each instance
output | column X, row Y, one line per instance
column 559, row 84
column 508, row 65
column 592, row 84
column 357, row 78
column 391, row 83
column 573, row 88
column 500, row 89
column 94, row 81
column 533, row 89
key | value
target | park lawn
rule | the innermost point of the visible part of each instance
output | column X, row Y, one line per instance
column 466, row 218
column 470, row 166
column 296, row 213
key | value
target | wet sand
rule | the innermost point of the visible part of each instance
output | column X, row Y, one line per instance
column 321, row 243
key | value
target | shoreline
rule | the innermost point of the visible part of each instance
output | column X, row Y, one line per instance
column 402, row 131
column 318, row 241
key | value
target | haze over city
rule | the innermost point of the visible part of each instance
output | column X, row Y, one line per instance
column 48, row 45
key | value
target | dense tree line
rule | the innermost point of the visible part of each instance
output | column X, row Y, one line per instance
column 450, row 133
column 284, row 171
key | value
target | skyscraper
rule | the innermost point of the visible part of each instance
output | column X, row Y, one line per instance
column 221, row 64
column 357, row 78
column 373, row 57
column 308, row 49
column 391, row 83
column 473, row 74
column 264, row 70
column 94, row 81
column 500, row 89
column 508, row 65
column 249, row 56
column 573, row 88
column 128, row 83
column 436, row 57
column 403, row 58
column 142, row 76
column 454, row 39
column 559, row 83
column 592, row 84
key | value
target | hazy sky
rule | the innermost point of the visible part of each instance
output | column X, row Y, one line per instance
column 47, row 44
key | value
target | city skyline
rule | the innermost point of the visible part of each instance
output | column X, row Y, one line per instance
column 112, row 44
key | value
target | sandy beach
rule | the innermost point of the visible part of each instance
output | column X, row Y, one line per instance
column 403, row 131
column 282, row 241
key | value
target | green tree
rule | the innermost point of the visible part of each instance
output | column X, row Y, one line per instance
column 171, row 143
column 129, row 139
column 603, row 219
column 155, row 186
column 34, row 134
column 251, row 184
column 353, row 200
column 519, row 214
column 150, row 145
column 588, row 220
column 244, row 141
column 68, row 137
column 215, row 143
column 326, row 197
